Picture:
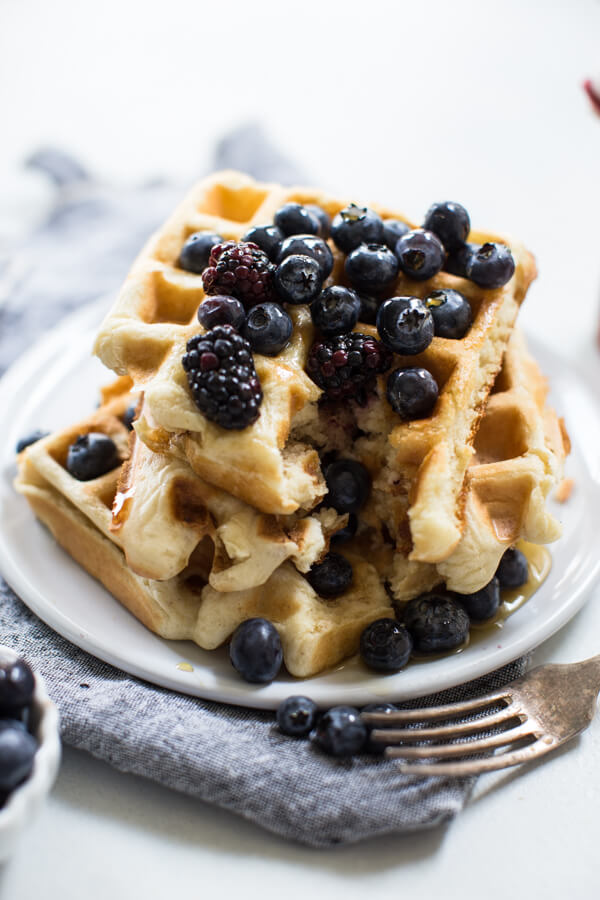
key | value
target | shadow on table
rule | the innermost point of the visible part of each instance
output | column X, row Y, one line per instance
column 186, row 820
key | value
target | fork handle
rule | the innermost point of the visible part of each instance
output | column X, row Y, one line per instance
column 588, row 668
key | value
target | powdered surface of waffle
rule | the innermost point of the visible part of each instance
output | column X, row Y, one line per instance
column 272, row 465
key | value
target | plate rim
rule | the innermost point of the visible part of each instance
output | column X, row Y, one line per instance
column 373, row 687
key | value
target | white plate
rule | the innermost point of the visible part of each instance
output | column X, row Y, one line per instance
column 57, row 382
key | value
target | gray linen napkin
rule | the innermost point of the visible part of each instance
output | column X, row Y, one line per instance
column 229, row 756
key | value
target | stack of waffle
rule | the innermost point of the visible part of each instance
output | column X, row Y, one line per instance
column 201, row 528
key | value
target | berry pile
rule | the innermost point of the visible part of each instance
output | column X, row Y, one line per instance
column 248, row 283
column 17, row 745
column 222, row 377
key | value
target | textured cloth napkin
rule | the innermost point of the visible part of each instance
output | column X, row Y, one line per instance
column 229, row 756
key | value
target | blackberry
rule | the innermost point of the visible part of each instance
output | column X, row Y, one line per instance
column 222, row 377
column 347, row 365
column 240, row 270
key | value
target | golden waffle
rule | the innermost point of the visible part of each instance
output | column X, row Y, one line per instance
column 162, row 510
column 159, row 511
column 520, row 449
column 315, row 633
column 272, row 465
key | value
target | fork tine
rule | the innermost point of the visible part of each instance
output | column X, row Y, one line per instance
column 439, row 732
column 448, row 711
column 449, row 751
column 478, row 766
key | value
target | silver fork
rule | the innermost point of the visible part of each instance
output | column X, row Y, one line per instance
column 540, row 711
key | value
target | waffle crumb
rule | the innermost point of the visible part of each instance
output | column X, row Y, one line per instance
column 564, row 490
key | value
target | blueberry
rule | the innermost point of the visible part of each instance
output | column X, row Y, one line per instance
column 436, row 622
column 421, row 254
column 196, row 251
column 297, row 716
column 336, row 310
column 255, row 651
column 346, row 533
column 17, row 684
column 451, row 311
column 368, row 308
column 340, row 731
column 331, row 577
column 372, row 267
column 483, row 604
column 348, row 484
column 92, row 455
column 128, row 417
column 221, row 310
column 17, row 750
column 412, row 392
column 450, row 222
column 267, row 237
column 322, row 216
column 268, row 328
column 513, row 571
column 19, row 724
column 405, row 325
column 356, row 225
column 386, row 708
column 458, row 259
column 393, row 230
column 293, row 218
column 379, row 708
column 298, row 279
column 30, row 439
column 307, row 245
column 491, row 266
column 385, row 645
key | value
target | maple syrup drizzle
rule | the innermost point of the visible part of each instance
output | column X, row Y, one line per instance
column 184, row 667
column 119, row 511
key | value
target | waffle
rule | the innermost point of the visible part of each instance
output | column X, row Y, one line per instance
column 315, row 633
column 273, row 465
column 162, row 510
column 520, row 449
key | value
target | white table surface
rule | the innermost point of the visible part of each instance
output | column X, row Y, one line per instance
column 396, row 102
